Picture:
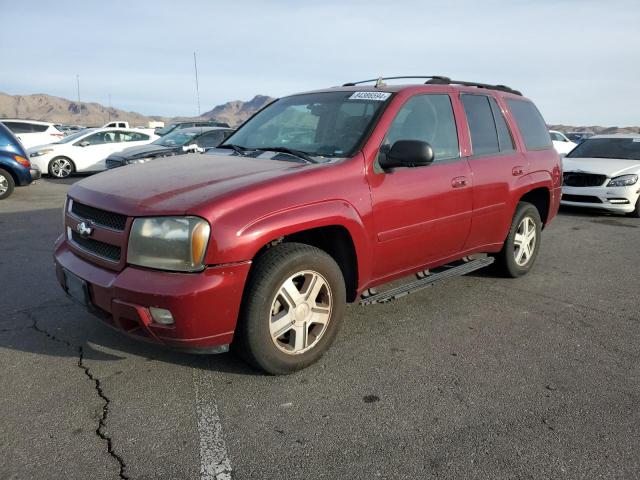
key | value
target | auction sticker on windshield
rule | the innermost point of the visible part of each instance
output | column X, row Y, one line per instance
column 378, row 96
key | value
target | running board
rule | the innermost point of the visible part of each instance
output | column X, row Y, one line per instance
column 427, row 281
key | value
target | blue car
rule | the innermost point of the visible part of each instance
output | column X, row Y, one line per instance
column 15, row 167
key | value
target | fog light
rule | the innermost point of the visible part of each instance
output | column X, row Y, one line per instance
column 161, row 316
column 618, row 200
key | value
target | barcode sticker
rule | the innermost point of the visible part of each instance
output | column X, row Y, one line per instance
column 377, row 96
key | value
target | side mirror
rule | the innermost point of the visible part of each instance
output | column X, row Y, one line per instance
column 407, row 153
column 84, row 144
column 192, row 147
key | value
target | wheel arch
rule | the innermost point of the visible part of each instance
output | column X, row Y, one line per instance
column 333, row 226
column 536, row 189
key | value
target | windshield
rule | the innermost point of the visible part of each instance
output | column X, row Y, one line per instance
column 618, row 148
column 328, row 124
column 176, row 138
column 165, row 130
column 74, row 136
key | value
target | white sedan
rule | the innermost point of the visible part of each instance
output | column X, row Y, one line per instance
column 603, row 172
column 86, row 151
column 561, row 143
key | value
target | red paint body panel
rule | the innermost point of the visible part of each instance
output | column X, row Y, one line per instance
column 204, row 305
column 399, row 222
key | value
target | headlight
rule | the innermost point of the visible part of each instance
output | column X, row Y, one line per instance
column 39, row 153
column 623, row 181
column 139, row 160
column 169, row 243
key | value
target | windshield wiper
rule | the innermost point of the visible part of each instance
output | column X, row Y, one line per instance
column 236, row 148
column 291, row 151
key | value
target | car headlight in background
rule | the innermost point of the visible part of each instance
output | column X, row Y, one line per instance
column 39, row 153
column 623, row 181
column 169, row 243
column 139, row 160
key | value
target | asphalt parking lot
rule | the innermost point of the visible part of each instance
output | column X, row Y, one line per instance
column 478, row 377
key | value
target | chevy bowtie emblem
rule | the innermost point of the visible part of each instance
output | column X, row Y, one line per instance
column 84, row 229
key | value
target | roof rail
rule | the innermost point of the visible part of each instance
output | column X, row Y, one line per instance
column 439, row 80
column 379, row 79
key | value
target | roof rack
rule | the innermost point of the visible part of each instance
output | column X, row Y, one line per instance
column 438, row 80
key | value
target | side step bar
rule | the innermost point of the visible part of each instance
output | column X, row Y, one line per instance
column 427, row 281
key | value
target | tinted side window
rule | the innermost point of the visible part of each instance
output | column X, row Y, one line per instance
column 482, row 127
column 504, row 135
column 428, row 118
column 99, row 138
column 38, row 128
column 19, row 127
column 211, row 139
column 132, row 137
column 531, row 124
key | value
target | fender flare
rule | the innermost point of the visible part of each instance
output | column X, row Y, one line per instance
column 248, row 240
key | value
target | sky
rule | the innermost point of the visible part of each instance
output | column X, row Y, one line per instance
column 578, row 60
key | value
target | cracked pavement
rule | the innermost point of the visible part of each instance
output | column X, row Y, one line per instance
column 478, row 377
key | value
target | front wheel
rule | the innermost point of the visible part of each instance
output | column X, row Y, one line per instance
column 522, row 244
column 6, row 184
column 61, row 167
column 292, row 308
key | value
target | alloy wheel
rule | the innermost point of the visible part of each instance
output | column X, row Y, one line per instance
column 524, row 241
column 300, row 312
column 4, row 185
column 61, row 167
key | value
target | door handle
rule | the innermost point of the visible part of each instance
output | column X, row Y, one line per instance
column 517, row 171
column 459, row 182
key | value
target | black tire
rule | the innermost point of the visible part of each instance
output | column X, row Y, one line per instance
column 67, row 159
column 253, row 338
column 7, row 182
column 506, row 263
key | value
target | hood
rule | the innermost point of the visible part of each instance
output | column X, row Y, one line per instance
column 168, row 186
column 610, row 167
column 41, row 147
column 140, row 151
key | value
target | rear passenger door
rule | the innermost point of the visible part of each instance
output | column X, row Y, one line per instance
column 495, row 166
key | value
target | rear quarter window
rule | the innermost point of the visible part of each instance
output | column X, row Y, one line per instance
column 36, row 127
column 531, row 124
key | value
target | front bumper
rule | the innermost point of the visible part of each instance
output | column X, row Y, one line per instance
column 614, row 199
column 204, row 305
column 36, row 173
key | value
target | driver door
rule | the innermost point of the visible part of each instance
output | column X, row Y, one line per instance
column 93, row 150
column 421, row 214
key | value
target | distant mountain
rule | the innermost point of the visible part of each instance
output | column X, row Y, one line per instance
column 60, row 110
column 595, row 129
column 236, row 112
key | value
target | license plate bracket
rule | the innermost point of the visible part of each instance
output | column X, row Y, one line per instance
column 76, row 288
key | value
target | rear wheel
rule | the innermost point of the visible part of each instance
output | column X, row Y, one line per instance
column 522, row 243
column 292, row 308
column 6, row 184
column 61, row 167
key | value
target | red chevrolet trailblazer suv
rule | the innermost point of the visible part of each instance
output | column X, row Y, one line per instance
column 313, row 201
